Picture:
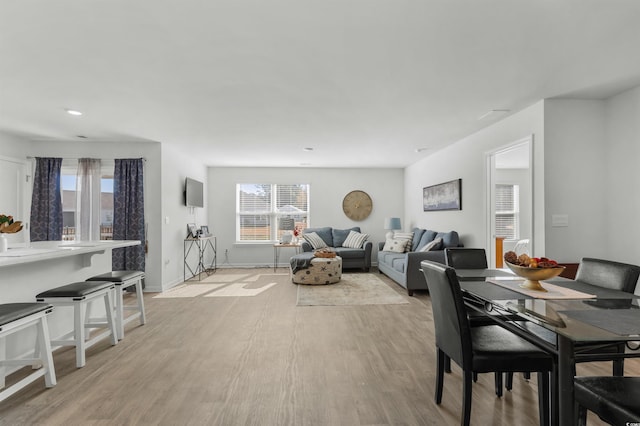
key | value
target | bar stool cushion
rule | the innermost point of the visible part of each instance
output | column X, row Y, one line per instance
column 77, row 289
column 613, row 399
column 117, row 276
column 10, row 312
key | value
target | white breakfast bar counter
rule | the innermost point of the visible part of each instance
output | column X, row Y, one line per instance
column 27, row 271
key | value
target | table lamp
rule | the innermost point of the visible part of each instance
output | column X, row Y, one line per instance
column 287, row 224
column 391, row 224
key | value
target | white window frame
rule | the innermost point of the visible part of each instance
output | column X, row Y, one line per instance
column 273, row 213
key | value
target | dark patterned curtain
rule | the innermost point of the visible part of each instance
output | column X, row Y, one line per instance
column 46, row 201
column 128, row 214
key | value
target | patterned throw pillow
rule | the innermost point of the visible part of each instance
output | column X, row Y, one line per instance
column 315, row 240
column 355, row 240
column 396, row 245
column 433, row 245
column 405, row 236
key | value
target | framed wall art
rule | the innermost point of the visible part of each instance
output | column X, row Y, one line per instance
column 444, row 196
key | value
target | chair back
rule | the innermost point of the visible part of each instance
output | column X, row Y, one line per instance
column 608, row 274
column 466, row 258
column 453, row 334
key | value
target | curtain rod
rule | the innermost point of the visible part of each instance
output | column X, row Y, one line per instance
column 77, row 158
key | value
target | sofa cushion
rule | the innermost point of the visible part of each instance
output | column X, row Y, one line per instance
column 449, row 239
column 399, row 264
column 426, row 238
column 339, row 235
column 349, row 253
column 417, row 235
column 315, row 240
column 396, row 245
column 355, row 240
column 324, row 233
column 433, row 245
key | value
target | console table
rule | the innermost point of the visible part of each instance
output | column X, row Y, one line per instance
column 205, row 252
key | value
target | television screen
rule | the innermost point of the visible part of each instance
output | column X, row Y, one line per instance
column 193, row 193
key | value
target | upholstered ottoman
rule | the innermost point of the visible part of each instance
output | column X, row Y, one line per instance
column 321, row 270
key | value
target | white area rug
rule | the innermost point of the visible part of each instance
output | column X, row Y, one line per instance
column 353, row 289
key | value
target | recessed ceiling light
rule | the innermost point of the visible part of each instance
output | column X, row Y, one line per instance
column 73, row 112
column 305, row 164
column 308, row 149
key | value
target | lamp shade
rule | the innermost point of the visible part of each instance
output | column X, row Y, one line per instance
column 392, row 223
column 287, row 224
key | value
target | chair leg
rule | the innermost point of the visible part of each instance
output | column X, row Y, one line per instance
column 46, row 357
column 581, row 412
column 544, row 399
column 79, row 331
column 466, row 403
column 112, row 323
column 618, row 364
column 447, row 363
column 140, row 300
column 498, row 380
column 439, row 375
column 508, row 381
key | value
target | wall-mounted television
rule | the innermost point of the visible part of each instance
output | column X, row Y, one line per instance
column 193, row 193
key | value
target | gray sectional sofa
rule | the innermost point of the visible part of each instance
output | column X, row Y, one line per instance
column 404, row 268
column 334, row 238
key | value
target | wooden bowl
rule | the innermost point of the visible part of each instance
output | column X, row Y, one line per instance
column 533, row 276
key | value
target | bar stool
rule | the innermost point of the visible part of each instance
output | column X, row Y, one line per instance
column 15, row 317
column 79, row 295
column 122, row 281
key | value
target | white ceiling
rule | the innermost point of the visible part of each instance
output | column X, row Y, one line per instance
column 253, row 82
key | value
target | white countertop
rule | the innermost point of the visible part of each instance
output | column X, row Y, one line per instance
column 45, row 250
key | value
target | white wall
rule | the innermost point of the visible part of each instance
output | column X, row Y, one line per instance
column 153, row 192
column 327, row 189
column 622, row 214
column 575, row 181
column 176, row 166
column 466, row 159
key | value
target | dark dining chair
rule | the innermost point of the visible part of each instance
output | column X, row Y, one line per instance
column 475, row 258
column 613, row 399
column 605, row 274
column 486, row 349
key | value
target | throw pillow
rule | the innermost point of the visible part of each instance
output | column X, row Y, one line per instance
column 396, row 245
column 315, row 240
column 406, row 236
column 340, row 235
column 433, row 245
column 355, row 240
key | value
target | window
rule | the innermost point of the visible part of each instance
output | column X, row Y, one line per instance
column 68, row 183
column 507, row 211
column 259, row 208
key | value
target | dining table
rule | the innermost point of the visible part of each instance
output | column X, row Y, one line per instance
column 574, row 312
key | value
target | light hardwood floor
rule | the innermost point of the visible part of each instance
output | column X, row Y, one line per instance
column 262, row 360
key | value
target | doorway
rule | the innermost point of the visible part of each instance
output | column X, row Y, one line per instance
column 510, row 199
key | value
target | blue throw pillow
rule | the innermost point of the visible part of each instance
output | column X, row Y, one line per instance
column 417, row 235
column 324, row 233
column 427, row 237
column 449, row 239
column 339, row 235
